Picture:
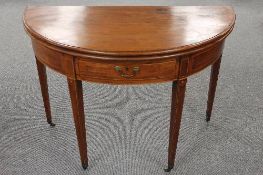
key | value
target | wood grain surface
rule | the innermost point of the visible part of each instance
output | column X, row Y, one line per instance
column 128, row 30
column 128, row 45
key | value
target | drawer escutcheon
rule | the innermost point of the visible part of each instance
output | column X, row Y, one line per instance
column 135, row 70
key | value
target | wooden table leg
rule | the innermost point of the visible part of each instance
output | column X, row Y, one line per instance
column 178, row 92
column 76, row 95
column 212, row 87
column 44, row 90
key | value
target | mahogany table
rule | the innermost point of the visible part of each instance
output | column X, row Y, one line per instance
column 128, row 45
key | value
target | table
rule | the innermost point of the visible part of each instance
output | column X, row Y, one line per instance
column 128, row 45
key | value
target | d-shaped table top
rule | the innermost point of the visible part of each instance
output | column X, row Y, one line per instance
column 128, row 45
column 128, row 31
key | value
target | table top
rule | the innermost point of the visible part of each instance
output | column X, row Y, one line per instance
column 128, row 30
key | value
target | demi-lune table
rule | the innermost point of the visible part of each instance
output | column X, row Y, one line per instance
column 128, row 45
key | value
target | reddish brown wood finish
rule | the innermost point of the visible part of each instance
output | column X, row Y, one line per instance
column 76, row 95
column 126, row 31
column 148, row 71
column 128, row 45
column 212, row 87
column 57, row 61
column 178, row 92
column 196, row 62
column 44, row 90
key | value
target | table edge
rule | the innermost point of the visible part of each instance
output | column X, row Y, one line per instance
column 128, row 55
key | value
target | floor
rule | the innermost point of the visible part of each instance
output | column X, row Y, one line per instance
column 127, row 126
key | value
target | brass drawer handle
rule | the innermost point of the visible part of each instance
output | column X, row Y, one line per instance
column 135, row 70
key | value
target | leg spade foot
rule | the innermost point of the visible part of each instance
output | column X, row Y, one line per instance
column 212, row 88
column 51, row 123
column 44, row 90
column 208, row 115
column 85, row 165
column 76, row 95
column 168, row 169
column 178, row 92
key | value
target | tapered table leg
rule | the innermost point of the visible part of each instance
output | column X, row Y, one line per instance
column 44, row 90
column 76, row 95
column 178, row 92
column 212, row 88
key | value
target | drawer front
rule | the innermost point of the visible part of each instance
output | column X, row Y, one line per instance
column 126, row 72
column 191, row 64
column 204, row 59
column 55, row 60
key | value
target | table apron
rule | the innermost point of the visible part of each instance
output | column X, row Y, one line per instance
column 125, row 71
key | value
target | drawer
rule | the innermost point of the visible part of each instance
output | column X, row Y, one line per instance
column 191, row 64
column 206, row 58
column 55, row 60
column 126, row 72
